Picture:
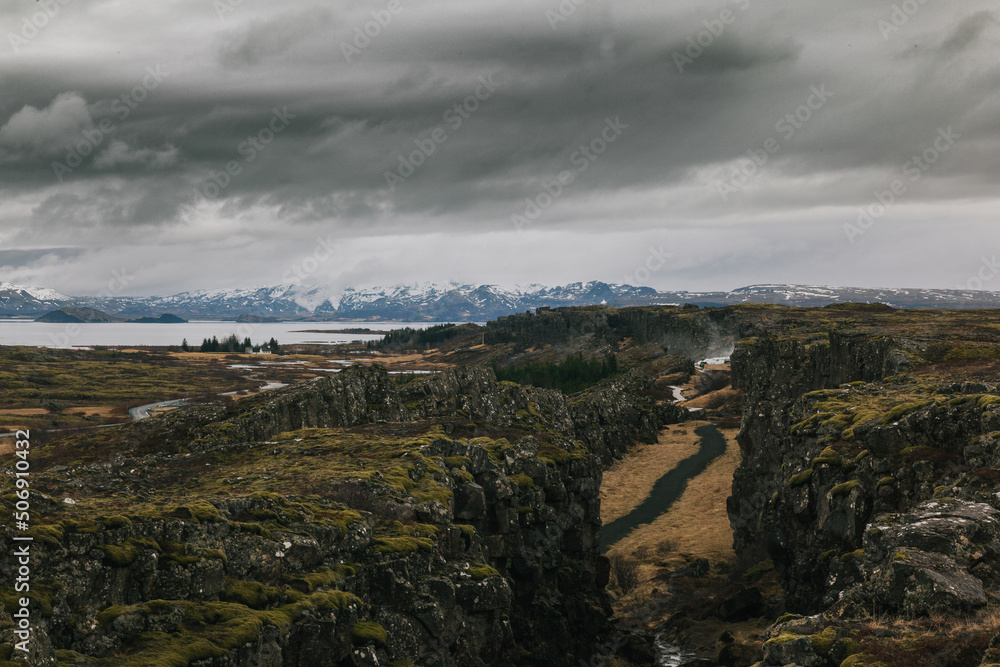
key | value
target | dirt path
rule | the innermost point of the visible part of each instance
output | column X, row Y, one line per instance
column 669, row 488
column 697, row 523
column 631, row 480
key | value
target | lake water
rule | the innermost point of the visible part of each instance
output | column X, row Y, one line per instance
column 42, row 334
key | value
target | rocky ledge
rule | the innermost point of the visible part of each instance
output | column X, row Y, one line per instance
column 352, row 520
column 870, row 480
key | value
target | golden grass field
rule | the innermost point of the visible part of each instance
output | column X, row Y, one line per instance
column 630, row 481
column 697, row 524
column 713, row 398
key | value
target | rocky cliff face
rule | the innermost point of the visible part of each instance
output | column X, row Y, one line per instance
column 346, row 521
column 869, row 477
column 774, row 373
column 688, row 332
column 608, row 418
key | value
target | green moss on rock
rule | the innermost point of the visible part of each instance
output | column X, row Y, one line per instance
column 369, row 632
column 844, row 489
column 523, row 482
column 801, row 479
column 253, row 594
column 403, row 545
column 479, row 571
column 759, row 570
column 200, row 511
column 822, row 643
column 828, row 456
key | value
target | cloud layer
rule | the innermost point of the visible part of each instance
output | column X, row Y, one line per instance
column 200, row 144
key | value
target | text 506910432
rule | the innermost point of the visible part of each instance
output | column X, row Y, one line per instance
column 22, row 541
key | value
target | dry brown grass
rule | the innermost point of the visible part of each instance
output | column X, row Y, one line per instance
column 936, row 641
column 630, row 481
column 713, row 399
column 6, row 446
column 403, row 362
column 986, row 620
column 195, row 356
column 24, row 412
column 96, row 411
column 697, row 524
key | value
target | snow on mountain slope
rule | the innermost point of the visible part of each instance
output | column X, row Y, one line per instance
column 37, row 293
column 18, row 300
column 459, row 302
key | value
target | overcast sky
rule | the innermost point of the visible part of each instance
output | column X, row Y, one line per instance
column 388, row 142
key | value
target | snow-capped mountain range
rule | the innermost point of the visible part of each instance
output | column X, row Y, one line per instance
column 456, row 302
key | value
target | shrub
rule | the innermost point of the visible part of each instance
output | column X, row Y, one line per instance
column 758, row 571
column 624, row 574
column 570, row 376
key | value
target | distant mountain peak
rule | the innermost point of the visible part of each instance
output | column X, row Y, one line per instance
column 435, row 301
column 39, row 293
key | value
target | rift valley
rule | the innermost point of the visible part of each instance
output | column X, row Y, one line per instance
column 439, row 501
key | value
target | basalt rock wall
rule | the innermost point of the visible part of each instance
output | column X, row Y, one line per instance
column 862, row 482
column 501, row 567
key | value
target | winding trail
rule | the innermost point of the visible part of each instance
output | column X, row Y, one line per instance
column 142, row 412
column 669, row 488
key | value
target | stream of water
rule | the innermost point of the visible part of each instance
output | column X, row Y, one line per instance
column 669, row 655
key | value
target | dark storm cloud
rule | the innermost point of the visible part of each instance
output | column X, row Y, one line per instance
column 733, row 53
column 263, row 39
column 968, row 32
column 494, row 101
column 14, row 259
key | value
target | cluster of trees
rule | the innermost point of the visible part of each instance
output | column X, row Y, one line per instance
column 231, row 344
column 569, row 376
column 417, row 339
